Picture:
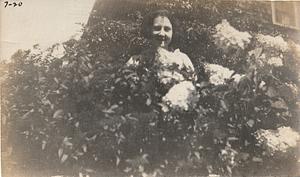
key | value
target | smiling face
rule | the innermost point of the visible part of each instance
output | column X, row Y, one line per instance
column 162, row 32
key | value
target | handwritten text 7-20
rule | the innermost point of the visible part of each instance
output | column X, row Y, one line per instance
column 13, row 4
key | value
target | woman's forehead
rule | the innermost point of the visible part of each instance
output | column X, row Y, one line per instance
column 162, row 20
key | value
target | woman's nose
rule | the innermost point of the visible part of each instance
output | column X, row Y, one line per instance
column 162, row 32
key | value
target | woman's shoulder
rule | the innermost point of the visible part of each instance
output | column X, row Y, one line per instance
column 177, row 51
column 185, row 59
column 181, row 55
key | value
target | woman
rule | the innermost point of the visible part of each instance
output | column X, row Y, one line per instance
column 150, row 79
column 166, row 66
column 159, row 28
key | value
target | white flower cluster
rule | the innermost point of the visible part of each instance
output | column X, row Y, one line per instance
column 229, row 36
column 42, row 54
column 275, row 61
column 273, row 42
column 167, row 58
column 167, row 76
column 181, row 96
column 269, row 50
column 218, row 74
column 58, row 51
column 279, row 140
column 295, row 48
column 293, row 87
column 182, row 93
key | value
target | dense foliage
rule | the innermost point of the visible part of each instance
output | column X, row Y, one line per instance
column 77, row 106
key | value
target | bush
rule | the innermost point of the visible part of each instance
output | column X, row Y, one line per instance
column 75, row 106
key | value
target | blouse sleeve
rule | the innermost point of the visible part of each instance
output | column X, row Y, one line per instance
column 187, row 64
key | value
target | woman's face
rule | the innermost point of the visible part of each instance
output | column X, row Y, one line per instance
column 161, row 32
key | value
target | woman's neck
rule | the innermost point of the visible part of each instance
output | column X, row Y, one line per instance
column 157, row 48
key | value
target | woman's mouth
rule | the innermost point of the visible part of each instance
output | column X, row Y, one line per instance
column 161, row 41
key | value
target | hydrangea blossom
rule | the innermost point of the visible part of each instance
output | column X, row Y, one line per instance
column 166, row 61
column 40, row 53
column 37, row 52
column 275, row 61
column 58, row 51
column 276, row 42
column 289, row 90
column 295, row 48
column 279, row 140
column 293, row 87
column 225, row 32
column 237, row 77
column 181, row 96
column 168, row 58
column 269, row 51
column 167, row 76
column 218, row 74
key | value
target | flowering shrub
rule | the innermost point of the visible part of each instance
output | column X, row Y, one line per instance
column 275, row 61
column 170, row 76
column 182, row 96
column 279, row 140
column 219, row 74
column 227, row 36
column 78, row 105
column 273, row 42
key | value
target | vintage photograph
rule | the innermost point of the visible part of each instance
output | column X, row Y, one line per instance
column 150, row 88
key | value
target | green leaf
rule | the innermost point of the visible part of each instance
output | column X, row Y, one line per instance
column 224, row 105
column 229, row 169
column 64, row 158
column 250, row 123
column 84, row 147
column 56, row 80
column 60, row 151
column 111, row 109
column 148, row 102
column 257, row 159
column 117, row 161
column 27, row 114
column 232, row 138
column 58, row 114
column 44, row 144
column 271, row 92
column 279, row 104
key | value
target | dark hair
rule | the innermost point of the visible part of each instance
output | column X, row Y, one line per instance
column 147, row 24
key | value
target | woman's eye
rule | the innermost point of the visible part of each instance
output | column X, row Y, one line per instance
column 156, row 28
column 167, row 29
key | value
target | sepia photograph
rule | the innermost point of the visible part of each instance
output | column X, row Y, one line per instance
column 150, row 88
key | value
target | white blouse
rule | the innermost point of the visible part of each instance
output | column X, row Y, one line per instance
column 167, row 58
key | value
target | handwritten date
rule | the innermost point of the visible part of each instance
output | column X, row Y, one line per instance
column 12, row 4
